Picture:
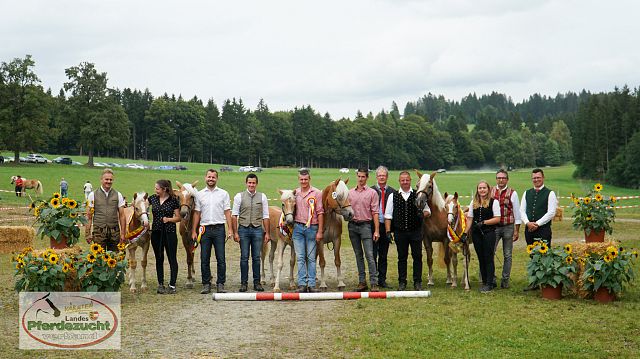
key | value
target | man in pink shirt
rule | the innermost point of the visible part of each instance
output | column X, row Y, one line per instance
column 364, row 201
column 309, row 218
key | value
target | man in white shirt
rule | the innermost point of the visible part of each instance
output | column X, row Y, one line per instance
column 88, row 188
column 250, row 216
column 212, row 209
column 508, row 228
column 537, row 209
column 105, row 212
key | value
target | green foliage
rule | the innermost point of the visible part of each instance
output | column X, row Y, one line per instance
column 58, row 217
column 612, row 270
column 101, row 271
column 40, row 273
column 593, row 212
column 549, row 266
column 625, row 168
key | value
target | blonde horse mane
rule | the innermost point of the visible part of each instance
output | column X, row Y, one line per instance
column 436, row 196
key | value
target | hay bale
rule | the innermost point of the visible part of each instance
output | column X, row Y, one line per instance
column 581, row 250
column 15, row 238
column 558, row 216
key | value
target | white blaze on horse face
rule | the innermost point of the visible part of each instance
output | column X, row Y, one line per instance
column 288, row 199
column 140, row 204
column 342, row 197
column 450, row 207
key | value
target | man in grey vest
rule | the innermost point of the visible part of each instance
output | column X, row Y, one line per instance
column 105, row 211
column 250, row 217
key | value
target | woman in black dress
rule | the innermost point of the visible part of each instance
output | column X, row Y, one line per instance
column 484, row 214
column 165, row 209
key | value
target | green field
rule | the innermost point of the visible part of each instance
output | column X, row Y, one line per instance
column 452, row 323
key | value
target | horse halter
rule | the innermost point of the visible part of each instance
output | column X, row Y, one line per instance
column 286, row 213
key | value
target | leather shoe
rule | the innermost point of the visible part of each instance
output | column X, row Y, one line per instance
column 171, row 290
column 302, row 289
column 313, row 290
column 384, row 285
column 161, row 289
column 402, row 286
column 504, row 284
column 362, row 287
column 258, row 287
column 486, row 289
column 206, row 289
column 243, row 287
column 374, row 288
column 417, row 286
column 220, row 288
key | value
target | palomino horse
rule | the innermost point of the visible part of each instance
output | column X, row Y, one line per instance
column 29, row 184
column 434, row 227
column 335, row 201
column 456, row 228
column 137, row 215
column 281, row 224
column 187, row 194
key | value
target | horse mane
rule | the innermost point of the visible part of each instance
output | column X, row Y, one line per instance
column 437, row 198
column 287, row 194
column 189, row 188
column 342, row 191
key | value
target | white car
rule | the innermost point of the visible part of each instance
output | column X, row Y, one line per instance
column 134, row 165
column 36, row 158
column 344, row 170
column 247, row 169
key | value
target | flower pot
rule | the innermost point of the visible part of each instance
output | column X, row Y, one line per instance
column 58, row 245
column 549, row 292
column 603, row 295
column 594, row 236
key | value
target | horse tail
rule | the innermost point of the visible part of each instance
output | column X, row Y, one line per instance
column 39, row 189
column 441, row 253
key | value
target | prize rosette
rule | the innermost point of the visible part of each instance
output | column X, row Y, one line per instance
column 133, row 236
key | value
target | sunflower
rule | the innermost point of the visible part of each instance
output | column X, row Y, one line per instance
column 581, row 261
column 36, row 212
column 530, row 248
column 576, row 201
column 64, row 200
column 27, row 250
column 588, row 218
column 106, row 257
column 91, row 258
column 587, row 200
column 47, row 253
column 89, row 271
column 56, row 195
column 55, row 202
column 569, row 260
column 111, row 263
column 73, row 215
column 597, row 187
column 536, row 243
column 53, row 258
column 544, row 248
column 608, row 258
column 44, row 268
column 568, row 248
column 32, row 205
column 66, row 267
column 591, row 279
column 121, row 246
column 612, row 251
column 96, row 248
column 72, row 204
column 18, row 265
column 598, row 197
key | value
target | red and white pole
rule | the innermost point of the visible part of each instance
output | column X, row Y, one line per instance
column 320, row 296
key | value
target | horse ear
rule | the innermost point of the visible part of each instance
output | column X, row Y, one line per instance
column 146, row 195
column 335, row 183
column 455, row 195
column 346, row 181
column 178, row 184
column 280, row 191
column 446, row 194
column 135, row 195
column 418, row 173
column 295, row 191
column 433, row 174
column 194, row 183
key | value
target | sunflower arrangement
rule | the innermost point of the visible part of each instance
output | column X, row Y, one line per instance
column 58, row 217
column 40, row 272
column 593, row 212
column 550, row 266
column 101, row 270
column 611, row 269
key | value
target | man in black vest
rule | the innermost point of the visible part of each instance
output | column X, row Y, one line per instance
column 537, row 209
column 407, row 225
column 381, row 247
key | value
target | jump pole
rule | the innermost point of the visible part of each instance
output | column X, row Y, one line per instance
column 320, row 296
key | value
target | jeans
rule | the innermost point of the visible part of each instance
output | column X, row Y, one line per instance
column 304, row 242
column 63, row 192
column 213, row 236
column 161, row 241
column 362, row 243
column 404, row 240
column 380, row 253
column 506, row 234
column 484, row 242
column 250, row 238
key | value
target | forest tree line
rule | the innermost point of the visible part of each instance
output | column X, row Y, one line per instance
column 598, row 132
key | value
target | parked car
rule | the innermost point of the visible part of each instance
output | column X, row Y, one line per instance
column 226, row 169
column 100, row 164
column 344, row 170
column 165, row 168
column 134, row 165
column 246, row 169
column 36, row 158
column 180, row 168
column 441, row 170
column 62, row 160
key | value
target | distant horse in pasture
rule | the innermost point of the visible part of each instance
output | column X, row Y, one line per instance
column 33, row 184
column 137, row 215
column 186, row 194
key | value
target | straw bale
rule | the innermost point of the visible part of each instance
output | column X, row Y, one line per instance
column 15, row 238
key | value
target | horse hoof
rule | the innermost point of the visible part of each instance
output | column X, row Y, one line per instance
column 263, row 282
column 431, row 284
column 189, row 285
column 277, row 290
column 133, row 290
column 341, row 288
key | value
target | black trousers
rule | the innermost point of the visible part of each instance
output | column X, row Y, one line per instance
column 484, row 243
column 380, row 252
column 404, row 240
column 161, row 241
column 543, row 232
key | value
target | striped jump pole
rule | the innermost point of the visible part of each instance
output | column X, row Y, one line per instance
column 320, row 296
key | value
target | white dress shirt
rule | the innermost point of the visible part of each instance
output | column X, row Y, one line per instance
column 212, row 204
column 388, row 211
column 515, row 205
column 91, row 200
column 495, row 208
column 552, row 205
column 237, row 200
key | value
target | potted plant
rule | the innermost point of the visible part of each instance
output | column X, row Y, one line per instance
column 594, row 214
column 41, row 272
column 606, row 274
column 58, row 219
column 102, row 271
column 549, row 268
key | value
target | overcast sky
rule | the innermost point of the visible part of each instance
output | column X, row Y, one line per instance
column 337, row 56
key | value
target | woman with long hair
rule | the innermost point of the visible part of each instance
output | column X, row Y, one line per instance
column 484, row 214
column 165, row 209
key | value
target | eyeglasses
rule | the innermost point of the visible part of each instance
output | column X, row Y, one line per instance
column 501, row 178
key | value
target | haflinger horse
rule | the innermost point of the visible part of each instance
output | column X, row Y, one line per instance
column 186, row 193
column 281, row 225
column 456, row 232
column 335, row 201
column 138, row 236
column 33, row 184
column 434, row 227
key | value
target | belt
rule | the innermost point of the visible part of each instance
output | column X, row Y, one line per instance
column 304, row 224
column 213, row 225
column 360, row 223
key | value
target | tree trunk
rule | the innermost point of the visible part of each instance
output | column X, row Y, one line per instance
column 16, row 156
column 90, row 162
